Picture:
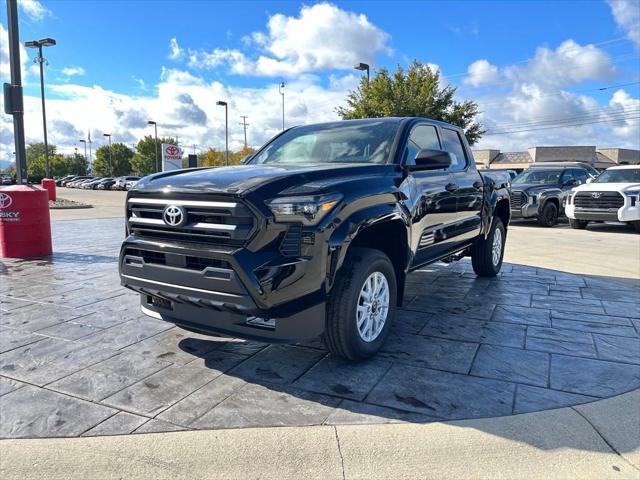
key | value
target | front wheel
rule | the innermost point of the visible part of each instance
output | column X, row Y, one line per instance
column 360, row 308
column 487, row 253
column 578, row 224
column 549, row 215
column 636, row 226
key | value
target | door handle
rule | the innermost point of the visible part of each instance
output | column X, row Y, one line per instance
column 451, row 187
column 478, row 184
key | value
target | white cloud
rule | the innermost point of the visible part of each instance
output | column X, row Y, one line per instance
column 175, row 52
column 323, row 37
column 5, row 71
column 481, row 72
column 34, row 9
column 626, row 13
column 73, row 71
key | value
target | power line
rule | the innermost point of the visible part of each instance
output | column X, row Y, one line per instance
column 583, row 116
column 578, row 124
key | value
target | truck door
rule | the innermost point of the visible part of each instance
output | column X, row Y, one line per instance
column 429, row 199
column 468, row 186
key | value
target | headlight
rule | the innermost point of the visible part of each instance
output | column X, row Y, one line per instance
column 533, row 198
column 309, row 209
column 632, row 193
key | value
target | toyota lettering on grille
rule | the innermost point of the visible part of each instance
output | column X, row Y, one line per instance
column 174, row 216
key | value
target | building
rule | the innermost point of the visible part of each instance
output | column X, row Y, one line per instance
column 599, row 158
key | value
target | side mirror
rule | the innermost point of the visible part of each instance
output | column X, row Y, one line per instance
column 428, row 159
column 245, row 159
column 571, row 183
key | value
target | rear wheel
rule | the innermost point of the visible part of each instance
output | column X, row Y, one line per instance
column 578, row 224
column 549, row 215
column 360, row 308
column 487, row 253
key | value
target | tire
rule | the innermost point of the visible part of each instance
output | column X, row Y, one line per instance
column 549, row 215
column 636, row 226
column 342, row 335
column 483, row 260
column 578, row 224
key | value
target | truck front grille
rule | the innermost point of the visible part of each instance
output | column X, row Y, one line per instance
column 225, row 222
column 598, row 200
column 518, row 199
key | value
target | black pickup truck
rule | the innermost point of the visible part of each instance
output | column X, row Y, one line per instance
column 315, row 234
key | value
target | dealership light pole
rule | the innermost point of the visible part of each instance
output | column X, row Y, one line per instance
column 155, row 127
column 44, row 42
column 281, row 90
column 362, row 67
column 226, row 129
column 110, row 159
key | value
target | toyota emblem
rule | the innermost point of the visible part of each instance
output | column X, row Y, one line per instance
column 5, row 200
column 174, row 216
column 173, row 150
column 596, row 194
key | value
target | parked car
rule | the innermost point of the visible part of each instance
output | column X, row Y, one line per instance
column 612, row 197
column 6, row 180
column 540, row 191
column 77, row 180
column 92, row 184
column 106, row 184
column 121, row 182
column 315, row 234
column 79, row 183
column 131, row 183
column 63, row 179
column 66, row 180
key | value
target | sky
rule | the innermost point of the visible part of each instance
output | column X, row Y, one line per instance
column 532, row 66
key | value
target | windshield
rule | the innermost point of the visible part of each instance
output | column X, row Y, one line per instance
column 621, row 175
column 356, row 143
column 538, row 177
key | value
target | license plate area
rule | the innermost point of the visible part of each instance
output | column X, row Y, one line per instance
column 159, row 302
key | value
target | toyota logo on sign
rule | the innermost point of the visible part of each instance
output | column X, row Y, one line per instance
column 172, row 150
column 174, row 216
column 5, row 200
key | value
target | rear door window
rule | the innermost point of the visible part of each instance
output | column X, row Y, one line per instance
column 453, row 144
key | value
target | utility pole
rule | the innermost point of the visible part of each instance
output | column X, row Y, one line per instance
column 245, row 125
column 220, row 103
column 155, row 127
column 13, row 92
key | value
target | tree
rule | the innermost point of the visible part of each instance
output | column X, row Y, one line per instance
column 416, row 93
column 238, row 156
column 76, row 164
column 144, row 160
column 119, row 163
column 212, row 158
column 36, row 150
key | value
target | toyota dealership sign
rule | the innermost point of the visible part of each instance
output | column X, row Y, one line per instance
column 171, row 157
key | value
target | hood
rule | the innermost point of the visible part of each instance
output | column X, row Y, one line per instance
column 240, row 179
column 607, row 187
column 532, row 188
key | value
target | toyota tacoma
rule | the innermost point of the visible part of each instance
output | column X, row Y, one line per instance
column 315, row 234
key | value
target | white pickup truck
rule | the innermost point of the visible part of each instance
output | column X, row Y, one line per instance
column 612, row 197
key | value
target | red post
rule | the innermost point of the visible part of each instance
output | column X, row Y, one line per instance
column 50, row 186
column 25, row 227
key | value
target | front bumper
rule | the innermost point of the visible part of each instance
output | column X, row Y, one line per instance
column 622, row 214
column 529, row 210
column 223, row 290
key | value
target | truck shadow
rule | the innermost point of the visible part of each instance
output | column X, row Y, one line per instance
column 462, row 348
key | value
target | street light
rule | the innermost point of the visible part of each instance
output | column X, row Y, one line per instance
column 44, row 42
column 110, row 162
column 363, row 67
column 155, row 127
column 226, row 129
column 281, row 90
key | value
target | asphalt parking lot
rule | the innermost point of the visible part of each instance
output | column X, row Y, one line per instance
column 77, row 358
